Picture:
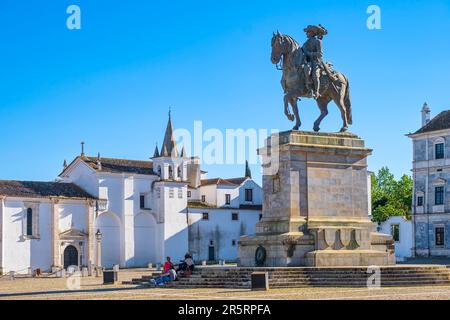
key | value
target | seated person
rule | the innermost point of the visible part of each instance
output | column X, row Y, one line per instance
column 171, row 275
column 168, row 265
column 187, row 265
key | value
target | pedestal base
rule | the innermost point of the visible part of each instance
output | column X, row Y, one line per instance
column 348, row 258
column 282, row 250
column 298, row 249
column 316, row 201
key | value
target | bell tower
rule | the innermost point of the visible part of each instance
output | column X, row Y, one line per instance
column 170, row 194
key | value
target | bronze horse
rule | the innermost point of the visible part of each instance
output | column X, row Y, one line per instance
column 287, row 52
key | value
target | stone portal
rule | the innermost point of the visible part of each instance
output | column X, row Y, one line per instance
column 316, row 204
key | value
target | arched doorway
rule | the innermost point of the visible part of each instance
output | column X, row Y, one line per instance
column 70, row 256
column 109, row 225
column 144, row 239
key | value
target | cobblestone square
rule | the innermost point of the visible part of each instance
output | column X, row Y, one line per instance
column 91, row 288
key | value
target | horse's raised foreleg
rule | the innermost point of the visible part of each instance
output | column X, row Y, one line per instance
column 322, row 103
column 298, row 123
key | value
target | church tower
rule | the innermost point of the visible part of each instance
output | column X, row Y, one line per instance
column 170, row 195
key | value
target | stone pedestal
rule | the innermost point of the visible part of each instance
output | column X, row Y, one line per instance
column 316, row 204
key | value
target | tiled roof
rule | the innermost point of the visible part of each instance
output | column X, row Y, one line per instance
column 199, row 204
column 251, row 206
column 39, row 189
column 220, row 181
column 196, row 204
column 120, row 165
column 439, row 122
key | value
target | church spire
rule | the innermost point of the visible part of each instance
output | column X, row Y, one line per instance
column 156, row 153
column 248, row 172
column 183, row 152
column 169, row 147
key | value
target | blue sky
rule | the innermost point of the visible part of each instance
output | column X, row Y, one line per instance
column 111, row 83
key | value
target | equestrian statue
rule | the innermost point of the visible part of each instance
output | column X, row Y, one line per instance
column 306, row 75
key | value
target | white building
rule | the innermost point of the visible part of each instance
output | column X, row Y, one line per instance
column 431, row 185
column 144, row 210
column 401, row 230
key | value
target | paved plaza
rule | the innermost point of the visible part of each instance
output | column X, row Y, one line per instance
column 92, row 288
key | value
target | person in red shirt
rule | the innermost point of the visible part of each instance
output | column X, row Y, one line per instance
column 168, row 265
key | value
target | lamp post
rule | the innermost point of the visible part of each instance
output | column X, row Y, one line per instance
column 98, row 236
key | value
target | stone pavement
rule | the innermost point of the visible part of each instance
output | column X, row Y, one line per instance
column 91, row 288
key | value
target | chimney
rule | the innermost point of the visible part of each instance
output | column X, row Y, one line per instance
column 82, row 150
column 425, row 114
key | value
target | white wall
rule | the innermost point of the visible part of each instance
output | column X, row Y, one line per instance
column 232, row 191
column 132, row 236
column 195, row 194
column 210, row 193
column 257, row 192
column 221, row 229
column 403, row 248
column 145, row 240
column 123, row 195
column 72, row 216
column 21, row 252
column 110, row 226
column 84, row 176
column 175, row 221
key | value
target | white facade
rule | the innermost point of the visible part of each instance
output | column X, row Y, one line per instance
column 216, row 224
column 56, row 223
column 144, row 210
column 431, row 185
column 401, row 230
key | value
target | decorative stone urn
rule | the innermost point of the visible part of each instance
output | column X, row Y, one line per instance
column 316, row 204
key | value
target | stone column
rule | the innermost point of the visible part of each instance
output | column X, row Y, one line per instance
column 90, row 246
column 99, row 253
column 128, row 221
column 55, row 234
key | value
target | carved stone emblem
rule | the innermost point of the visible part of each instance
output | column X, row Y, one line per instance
column 260, row 256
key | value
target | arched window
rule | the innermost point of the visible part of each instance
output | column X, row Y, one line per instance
column 179, row 172
column 29, row 222
column 159, row 171
column 170, row 172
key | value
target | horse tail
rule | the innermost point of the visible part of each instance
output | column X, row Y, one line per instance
column 347, row 102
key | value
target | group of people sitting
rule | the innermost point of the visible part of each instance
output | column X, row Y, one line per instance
column 185, row 267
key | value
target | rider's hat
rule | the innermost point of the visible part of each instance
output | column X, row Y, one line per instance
column 319, row 30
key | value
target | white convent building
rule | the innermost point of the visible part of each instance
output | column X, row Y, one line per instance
column 137, row 212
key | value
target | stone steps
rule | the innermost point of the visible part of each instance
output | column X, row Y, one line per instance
column 316, row 280
column 307, row 277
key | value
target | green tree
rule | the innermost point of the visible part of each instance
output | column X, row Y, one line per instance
column 389, row 196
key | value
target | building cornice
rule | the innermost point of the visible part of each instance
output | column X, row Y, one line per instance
column 428, row 134
column 48, row 199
